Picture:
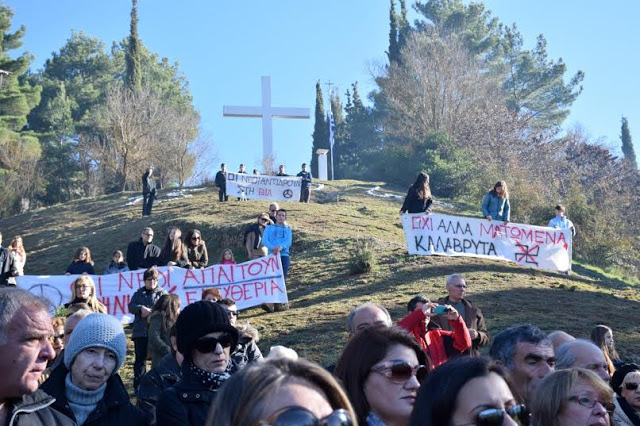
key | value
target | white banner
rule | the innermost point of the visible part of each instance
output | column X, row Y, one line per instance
column 249, row 284
column 527, row 245
column 261, row 187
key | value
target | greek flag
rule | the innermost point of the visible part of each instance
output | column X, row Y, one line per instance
column 332, row 128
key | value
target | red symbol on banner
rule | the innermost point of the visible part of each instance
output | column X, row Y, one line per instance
column 528, row 255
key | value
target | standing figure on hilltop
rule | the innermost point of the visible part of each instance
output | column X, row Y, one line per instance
column 8, row 267
column 281, row 171
column 148, row 192
column 243, row 170
column 418, row 199
column 305, row 188
column 221, row 183
column 19, row 254
column 495, row 204
column 561, row 221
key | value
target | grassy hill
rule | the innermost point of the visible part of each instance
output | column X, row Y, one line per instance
column 321, row 288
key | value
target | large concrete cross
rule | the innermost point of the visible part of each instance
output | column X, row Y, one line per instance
column 267, row 113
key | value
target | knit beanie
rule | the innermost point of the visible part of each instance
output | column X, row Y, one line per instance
column 97, row 330
column 620, row 374
column 198, row 319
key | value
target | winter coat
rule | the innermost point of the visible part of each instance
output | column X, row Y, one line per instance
column 141, row 255
column 116, row 268
column 160, row 378
column 621, row 418
column 79, row 268
column 414, row 204
column 198, row 255
column 143, row 297
column 35, row 409
column 114, row 409
column 221, row 179
column 247, row 350
column 306, row 179
column 277, row 235
column 496, row 207
column 473, row 318
column 159, row 344
column 187, row 403
column 148, row 185
column 167, row 256
column 438, row 344
column 8, row 267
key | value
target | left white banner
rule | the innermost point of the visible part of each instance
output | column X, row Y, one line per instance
column 249, row 284
column 261, row 187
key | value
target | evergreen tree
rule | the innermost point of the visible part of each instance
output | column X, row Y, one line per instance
column 320, row 131
column 404, row 28
column 627, row 144
column 19, row 149
column 339, row 132
column 394, row 49
column 134, row 67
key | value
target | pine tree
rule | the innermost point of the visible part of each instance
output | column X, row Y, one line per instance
column 339, row 133
column 394, row 49
column 134, row 71
column 627, row 144
column 404, row 29
column 320, row 131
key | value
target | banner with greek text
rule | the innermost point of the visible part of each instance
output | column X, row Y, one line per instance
column 249, row 284
column 527, row 245
column 262, row 187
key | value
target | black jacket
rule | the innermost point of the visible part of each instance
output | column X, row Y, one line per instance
column 413, row 204
column 166, row 374
column 77, row 268
column 306, row 178
column 35, row 409
column 221, row 179
column 114, row 409
column 143, row 297
column 7, row 266
column 185, row 404
column 140, row 255
column 148, row 184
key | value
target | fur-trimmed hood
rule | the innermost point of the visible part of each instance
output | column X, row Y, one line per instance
column 249, row 332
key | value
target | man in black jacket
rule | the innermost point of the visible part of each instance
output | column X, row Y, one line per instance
column 305, row 188
column 7, row 265
column 148, row 192
column 25, row 349
column 141, row 253
column 221, row 183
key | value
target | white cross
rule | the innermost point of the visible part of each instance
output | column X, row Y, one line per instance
column 267, row 113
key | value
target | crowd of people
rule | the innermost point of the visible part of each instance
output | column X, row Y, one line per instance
column 207, row 369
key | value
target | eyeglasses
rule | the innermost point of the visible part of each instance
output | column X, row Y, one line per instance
column 589, row 402
column 299, row 416
column 209, row 344
column 631, row 386
column 400, row 371
column 263, row 219
column 495, row 416
column 58, row 336
column 82, row 287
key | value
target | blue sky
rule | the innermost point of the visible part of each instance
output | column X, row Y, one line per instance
column 224, row 47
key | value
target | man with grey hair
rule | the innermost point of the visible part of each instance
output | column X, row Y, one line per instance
column 25, row 349
column 367, row 315
column 470, row 313
column 584, row 354
column 143, row 253
column 527, row 353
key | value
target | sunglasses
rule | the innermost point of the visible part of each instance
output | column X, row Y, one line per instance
column 209, row 344
column 400, row 372
column 631, row 386
column 298, row 416
column 233, row 313
column 495, row 416
column 58, row 336
column 195, row 238
column 589, row 402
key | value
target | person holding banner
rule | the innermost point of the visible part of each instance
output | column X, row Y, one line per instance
column 561, row 221
column 253, row 237
column 305, row 189
column 418, row 199
column 142, row 253
column 495, row 204
column 81, row 263
column 277, row 238
column 196, row 249
column 281, row 171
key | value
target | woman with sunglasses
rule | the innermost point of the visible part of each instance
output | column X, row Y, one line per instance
column 204, row 337
column 253, row 237
column 574, row 396
column 247, row 350
column 282, row 392
column 381, row 369
column 467, row 391
column 625, row 382
column 196, row 249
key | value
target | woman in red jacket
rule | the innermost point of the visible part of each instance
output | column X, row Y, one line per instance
column 438, row 344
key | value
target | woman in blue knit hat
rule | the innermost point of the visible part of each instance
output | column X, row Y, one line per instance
column 86, row 386
column 204, row 337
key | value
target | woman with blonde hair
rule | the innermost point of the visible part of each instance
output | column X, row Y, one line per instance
column 495, row 204
column 81, row 263
column 574, row 396
column 83, row 290
column 19, row 254
column 602, row 337
column 282, row 391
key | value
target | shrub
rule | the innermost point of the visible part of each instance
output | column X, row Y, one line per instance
column 362, row 259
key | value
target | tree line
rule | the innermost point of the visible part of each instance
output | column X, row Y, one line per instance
column 462, row 98
column 91, row 120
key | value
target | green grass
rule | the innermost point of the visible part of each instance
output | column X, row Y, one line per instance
column 320, row 286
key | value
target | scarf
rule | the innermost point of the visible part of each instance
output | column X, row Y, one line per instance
column 211, row 380
column 631, row 413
